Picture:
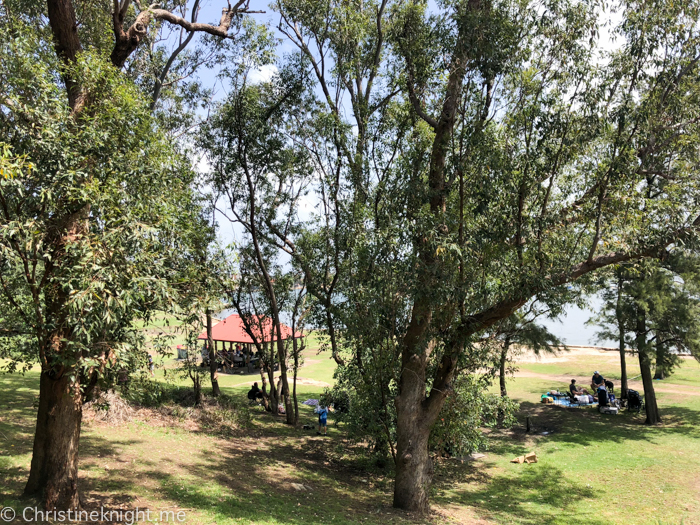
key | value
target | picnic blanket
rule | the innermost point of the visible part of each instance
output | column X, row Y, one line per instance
column 311, row 402
column 565, row 401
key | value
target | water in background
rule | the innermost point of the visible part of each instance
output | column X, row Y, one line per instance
column 572, row 328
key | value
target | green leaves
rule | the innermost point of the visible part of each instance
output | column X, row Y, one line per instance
column 96, row 214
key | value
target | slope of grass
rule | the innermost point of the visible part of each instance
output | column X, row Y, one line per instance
column 592, row 468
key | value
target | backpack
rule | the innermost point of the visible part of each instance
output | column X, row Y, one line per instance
column 634, row 400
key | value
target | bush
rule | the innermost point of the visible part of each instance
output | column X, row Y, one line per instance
column 224, row 413
column 459, row 427
column 143, row 391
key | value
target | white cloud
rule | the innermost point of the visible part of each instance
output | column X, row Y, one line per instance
column 262, row 74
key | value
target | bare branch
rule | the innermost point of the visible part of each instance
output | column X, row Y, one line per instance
column 127, row 41
column 417, row 105
column 163, row 74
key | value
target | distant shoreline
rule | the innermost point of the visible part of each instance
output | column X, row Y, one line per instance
column 590, row 348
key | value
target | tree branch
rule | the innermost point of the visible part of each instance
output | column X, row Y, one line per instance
column 163, row 74
column 127, row 41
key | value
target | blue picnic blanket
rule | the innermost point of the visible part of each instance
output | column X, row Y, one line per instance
column 311, row 402
column 566, row 402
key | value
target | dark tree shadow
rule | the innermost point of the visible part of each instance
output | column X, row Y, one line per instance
column 248, row 476
column 585, row 426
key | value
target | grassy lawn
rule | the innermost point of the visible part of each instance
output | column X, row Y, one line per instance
column 592, row 469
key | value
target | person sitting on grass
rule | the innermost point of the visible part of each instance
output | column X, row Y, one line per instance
column 575, row 390
column 254, row 392
column 597, row 380
column 322, row 420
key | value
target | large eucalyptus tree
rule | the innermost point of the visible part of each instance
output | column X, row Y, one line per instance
column 94, row 201
column 478, row 157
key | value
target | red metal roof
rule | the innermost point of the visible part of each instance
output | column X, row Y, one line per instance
column 232, row 330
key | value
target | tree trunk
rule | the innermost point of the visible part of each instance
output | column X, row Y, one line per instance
column 274, row 397
column 267, row 366
column 294, row 379
column 415, row 415
column 266, row 398
column 196, row 386
column 502, row 367
column 414, row 468
column 284, row 380
column 279, row 394
column 623, row 364
column 660, row 372
column 623, row 369
column 54, row 467
column 652, row 409
column 621, row 336
column 643, row 351
column 213, row 374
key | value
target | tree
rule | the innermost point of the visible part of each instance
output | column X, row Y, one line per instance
column 485, row 156
column 522, row 329
column 81, row 289
column 257, row 167
column 613, row 319
column 655, row 302
column 91, row 210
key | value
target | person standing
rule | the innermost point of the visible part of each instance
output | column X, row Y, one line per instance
column 322, row 420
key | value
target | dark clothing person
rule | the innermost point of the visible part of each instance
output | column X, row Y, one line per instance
column 576, row 391
column 254, row 392
column 596, row 381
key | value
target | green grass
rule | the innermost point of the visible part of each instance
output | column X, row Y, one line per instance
column 243, row 477
column 592, row 469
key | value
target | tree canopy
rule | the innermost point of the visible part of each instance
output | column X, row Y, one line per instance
column 470, row 160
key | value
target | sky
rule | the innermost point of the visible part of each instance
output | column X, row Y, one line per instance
column 572, row 328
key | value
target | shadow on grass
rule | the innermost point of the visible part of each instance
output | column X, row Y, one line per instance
column 536, row 494
column 244, row 477
column 18, row 394
column 256, row 484
column 586, row 426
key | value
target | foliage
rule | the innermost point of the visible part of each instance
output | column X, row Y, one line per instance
column 113, row 170
column 369, row 414
column 370, row 418
column 474, row 158
column 260, row 171
column 141, row 390
column 666, row 293
column 458, row 430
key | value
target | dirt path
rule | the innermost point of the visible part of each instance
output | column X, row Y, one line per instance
column 300, row 381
